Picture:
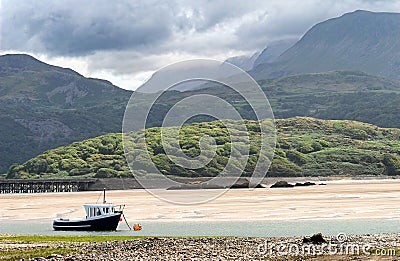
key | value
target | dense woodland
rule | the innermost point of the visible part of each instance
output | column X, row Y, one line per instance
column 305, row 147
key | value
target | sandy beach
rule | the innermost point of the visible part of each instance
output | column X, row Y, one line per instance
column 340, row 199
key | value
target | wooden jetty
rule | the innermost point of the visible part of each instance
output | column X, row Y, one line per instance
column 44, row 185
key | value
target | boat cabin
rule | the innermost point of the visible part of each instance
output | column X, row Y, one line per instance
column 99, row 217
column 95, row 210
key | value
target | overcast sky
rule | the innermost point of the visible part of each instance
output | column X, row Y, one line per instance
column 126, row 41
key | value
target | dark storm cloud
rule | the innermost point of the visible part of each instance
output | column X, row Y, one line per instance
column 82, row 27
column 137, row 37
column 75, row 28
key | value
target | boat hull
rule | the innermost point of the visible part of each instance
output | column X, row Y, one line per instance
column 104, row 223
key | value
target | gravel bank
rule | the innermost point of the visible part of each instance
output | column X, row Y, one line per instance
column 229, row 248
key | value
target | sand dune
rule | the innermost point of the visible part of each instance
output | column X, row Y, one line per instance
column 342, row 199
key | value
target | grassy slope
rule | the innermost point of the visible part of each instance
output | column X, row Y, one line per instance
column 305, row 146
column 59, row 239
column 53, row 247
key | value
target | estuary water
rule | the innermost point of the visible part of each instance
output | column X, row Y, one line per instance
column 224, row 228
column 342, row 206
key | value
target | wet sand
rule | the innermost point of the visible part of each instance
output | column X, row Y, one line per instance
column 341, row 199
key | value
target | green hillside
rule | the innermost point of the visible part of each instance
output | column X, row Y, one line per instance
column 337, row 95
column 305, row 147
column 43, row 107
column 334, row 95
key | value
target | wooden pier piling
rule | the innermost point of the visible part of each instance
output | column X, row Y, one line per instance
column 44, row 185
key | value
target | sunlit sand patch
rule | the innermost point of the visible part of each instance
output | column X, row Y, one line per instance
column 359, row 199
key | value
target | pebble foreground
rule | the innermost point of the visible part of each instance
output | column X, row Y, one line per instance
column 224, row 248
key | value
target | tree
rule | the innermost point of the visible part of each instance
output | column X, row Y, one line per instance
column 392, row 164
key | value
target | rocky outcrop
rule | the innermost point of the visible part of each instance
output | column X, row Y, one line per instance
column 316, row 239
column 282, row 184
column 285, row 184
column 204, row 185
column 305, row 184
column 45, row 130
column 70, row 91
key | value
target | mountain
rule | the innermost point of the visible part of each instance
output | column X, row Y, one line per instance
column 330, row 95
column 336, row 95
column 305, row 147
column 244, row 62
column 11, row 64
column 44, row 106
column 24, row 78
column 274, row 50
column 358, row 41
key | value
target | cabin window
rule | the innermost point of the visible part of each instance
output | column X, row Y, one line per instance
column 98, row 212
column 91, row 212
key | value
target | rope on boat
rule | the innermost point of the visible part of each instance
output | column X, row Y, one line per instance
column 126, row 221
column 97, row 201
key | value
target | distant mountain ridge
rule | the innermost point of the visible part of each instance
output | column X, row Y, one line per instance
column 358, row 41
column 244, row 62
column 274, row 50
column 23, row 77
column 269, row 54
column 328, row 95
column 16, row 63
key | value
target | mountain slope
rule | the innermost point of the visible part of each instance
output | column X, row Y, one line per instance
column 357, row 41
column 305, row 147
column 332, row 95
column 336, row 95
column 274, row 50
column 24, row 78
column 11, row 64
column 44, row 106
column 243, row 62
column 268, row 55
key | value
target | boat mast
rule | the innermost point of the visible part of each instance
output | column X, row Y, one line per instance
column 104, row 196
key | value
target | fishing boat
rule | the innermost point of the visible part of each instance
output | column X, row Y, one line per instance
column 99, row 217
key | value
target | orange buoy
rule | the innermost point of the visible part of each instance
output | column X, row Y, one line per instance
column 137, row 227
